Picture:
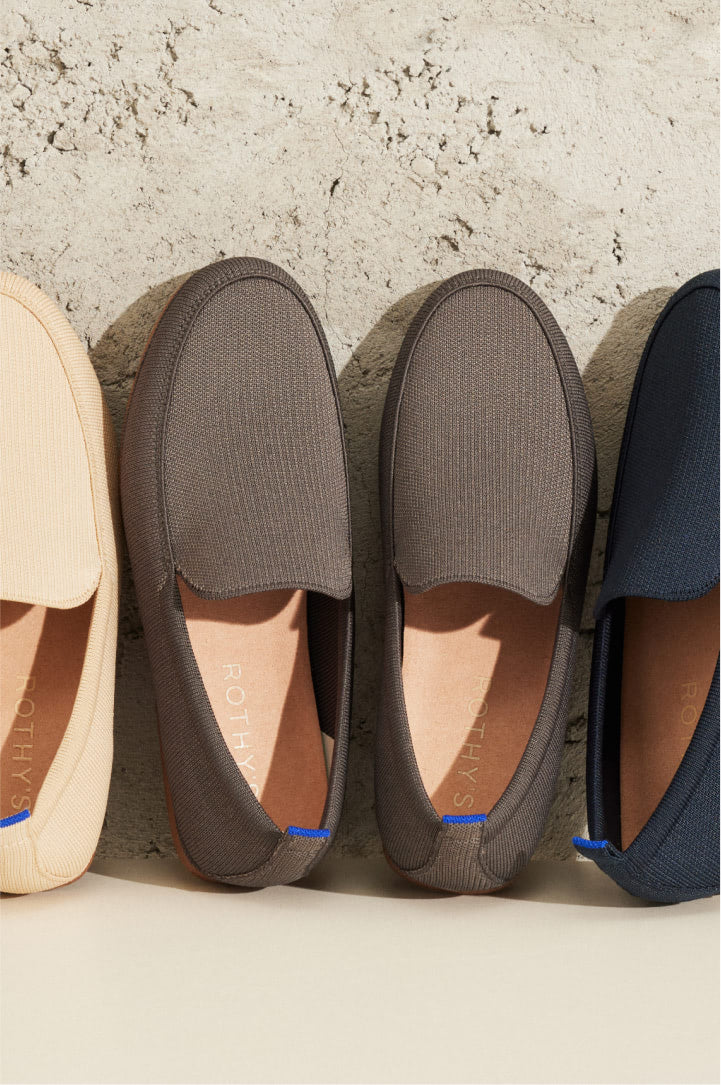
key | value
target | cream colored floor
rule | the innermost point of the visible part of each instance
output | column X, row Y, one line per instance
column 141, row 973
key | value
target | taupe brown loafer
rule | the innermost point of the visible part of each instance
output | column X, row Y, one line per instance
column 235, row 501
column 488, row 505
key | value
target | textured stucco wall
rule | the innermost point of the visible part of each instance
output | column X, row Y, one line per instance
column 372, row 147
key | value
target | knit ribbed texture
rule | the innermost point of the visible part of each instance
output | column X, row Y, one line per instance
column 56, row 843
column 47, row 524
column 168, row 507
column 663, row 543
column 675, row 857
column 665, row 529
column 293, row 858
column 255, row 482
column 486, row 856
column 482, row 440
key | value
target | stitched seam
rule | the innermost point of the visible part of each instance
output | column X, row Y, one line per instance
column 425, row 585
column 231, row 593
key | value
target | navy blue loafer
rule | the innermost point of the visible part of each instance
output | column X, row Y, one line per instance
column 653, row 731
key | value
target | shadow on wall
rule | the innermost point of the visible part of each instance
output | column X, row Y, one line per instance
column 136, row 822
column 118, row 351
column 363, row 385
column 608, row 379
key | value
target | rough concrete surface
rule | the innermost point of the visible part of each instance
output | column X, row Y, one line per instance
column 372, row 147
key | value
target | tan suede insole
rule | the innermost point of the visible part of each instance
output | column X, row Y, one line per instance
column 475, row 668
column 42, row 651
column 669, row 657
column 252, row 653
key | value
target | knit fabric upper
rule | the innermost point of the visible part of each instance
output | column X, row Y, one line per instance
column 255, row 485
column 48, row 538
column 664, row 539
column 675, row 857
column 463, row 498
column 483, row 466
column 663, row 543
column 59, row 540
column 233, row 473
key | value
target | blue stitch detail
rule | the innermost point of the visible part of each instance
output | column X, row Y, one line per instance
column 581, row 842
column 13, row 819
column 294, row 830
column 463, row 819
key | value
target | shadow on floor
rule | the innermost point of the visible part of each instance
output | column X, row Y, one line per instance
column 562, row 883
